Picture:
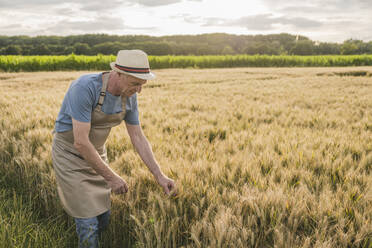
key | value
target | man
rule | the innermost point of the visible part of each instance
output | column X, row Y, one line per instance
column 94, row 104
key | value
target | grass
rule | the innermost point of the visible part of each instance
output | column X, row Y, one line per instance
column 262, row 158
column 22, row 225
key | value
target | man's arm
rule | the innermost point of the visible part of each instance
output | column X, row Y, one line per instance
column 90, row 154
column 144, row 149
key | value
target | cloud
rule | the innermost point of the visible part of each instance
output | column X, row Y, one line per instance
column 24, row 4
column 16, row 29
column 61, row 8
column 264, row 22
column 12, row 26
column 97, row 6
column 331, row 20
column 86, row 5
column 318, row 6
column 15, row 4
column 153, row 3
column 188, row 18
column 341, row 19
column 65, row 11
column 102, row 23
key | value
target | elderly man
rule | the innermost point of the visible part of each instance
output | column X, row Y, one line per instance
column 94, row 104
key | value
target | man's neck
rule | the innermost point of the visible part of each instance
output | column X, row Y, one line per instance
column 111, row 85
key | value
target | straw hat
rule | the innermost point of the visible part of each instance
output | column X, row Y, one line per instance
column 134, row 63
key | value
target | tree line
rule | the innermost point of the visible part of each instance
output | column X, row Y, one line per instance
column 204, row 44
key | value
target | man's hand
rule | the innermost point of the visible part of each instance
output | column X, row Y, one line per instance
column 118, row 185
column 168, row 185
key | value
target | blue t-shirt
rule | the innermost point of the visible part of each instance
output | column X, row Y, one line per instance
column 82, row 98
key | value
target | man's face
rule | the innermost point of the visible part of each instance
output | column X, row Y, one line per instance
column 130, row 85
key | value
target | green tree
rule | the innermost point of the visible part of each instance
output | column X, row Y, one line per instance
column 325, row 48
column 68, row 50
column 205, row 44
column 349, row 47
column 228, row 50
column 26, row 49
column 81, row 49
column 369, row 47
column 302, row 47
column 108, row 48
column 154, row 48
column 262, row 49
column 40, row 49
column 13, row 50
column 57, row 49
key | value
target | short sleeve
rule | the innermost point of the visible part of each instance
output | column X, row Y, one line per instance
column 80, row 103
column 131, row 114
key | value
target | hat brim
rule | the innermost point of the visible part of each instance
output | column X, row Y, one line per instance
column 146, row 76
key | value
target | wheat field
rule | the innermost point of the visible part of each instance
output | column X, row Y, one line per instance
column 262, row 157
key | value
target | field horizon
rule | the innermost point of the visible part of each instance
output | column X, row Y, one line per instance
column 18, row 63
column 262, row 157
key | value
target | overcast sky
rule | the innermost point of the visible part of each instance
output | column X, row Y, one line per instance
column 322, row 20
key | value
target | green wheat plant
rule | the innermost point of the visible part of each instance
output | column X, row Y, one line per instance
column 14, row 63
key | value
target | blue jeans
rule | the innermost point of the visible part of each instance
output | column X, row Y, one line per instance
column 89, row 229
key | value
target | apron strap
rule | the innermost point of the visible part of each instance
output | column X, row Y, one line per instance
column 102, row 94
column 123, row 103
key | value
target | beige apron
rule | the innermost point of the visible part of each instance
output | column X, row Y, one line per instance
column 83, row 192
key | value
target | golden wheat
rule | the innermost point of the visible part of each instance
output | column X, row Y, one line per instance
column 262, row 157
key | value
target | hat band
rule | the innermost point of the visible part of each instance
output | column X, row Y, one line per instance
column 132, row 69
